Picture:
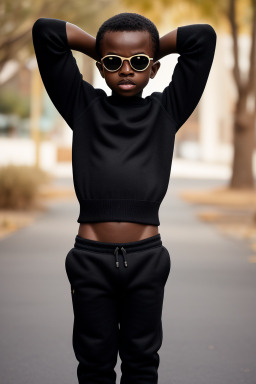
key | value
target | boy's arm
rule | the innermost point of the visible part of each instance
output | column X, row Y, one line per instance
column 58, row 68
column 81, row 41
column 196, row 45
column 167, row 44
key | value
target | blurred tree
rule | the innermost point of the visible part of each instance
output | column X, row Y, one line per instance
column 13, row 103
column 16, row 21
column 18, row 16
column 236, row 16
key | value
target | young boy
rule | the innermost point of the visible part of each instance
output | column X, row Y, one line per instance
column 122, row 154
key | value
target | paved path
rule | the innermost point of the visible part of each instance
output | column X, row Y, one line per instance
column 209, row 315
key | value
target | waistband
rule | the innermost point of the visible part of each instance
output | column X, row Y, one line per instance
column 113, row 248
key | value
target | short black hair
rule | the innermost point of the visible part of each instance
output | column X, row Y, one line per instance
column 128, row 21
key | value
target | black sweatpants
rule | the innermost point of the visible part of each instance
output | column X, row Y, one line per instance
column 117, row 294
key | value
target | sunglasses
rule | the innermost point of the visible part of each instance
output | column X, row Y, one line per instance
column 138, row 62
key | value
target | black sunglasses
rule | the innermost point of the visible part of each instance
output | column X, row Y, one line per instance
column 138, row 62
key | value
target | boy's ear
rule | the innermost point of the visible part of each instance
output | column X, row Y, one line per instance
column 100, row 68
column 155, row 67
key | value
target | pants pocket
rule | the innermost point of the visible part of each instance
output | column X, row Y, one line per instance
column 167, row 255
column 67, row 261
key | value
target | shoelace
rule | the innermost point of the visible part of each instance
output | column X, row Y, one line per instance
column 117, row 259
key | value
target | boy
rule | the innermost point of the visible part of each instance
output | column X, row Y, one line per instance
column 122, row 155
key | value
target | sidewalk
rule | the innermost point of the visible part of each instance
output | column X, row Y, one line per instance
column 208, row 317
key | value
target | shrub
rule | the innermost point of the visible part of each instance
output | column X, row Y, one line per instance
column 19, row 185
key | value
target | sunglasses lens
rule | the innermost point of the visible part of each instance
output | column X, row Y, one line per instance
column 112, row 63
column 139, row 62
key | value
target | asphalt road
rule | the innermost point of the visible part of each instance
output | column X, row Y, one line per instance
column 209, row 315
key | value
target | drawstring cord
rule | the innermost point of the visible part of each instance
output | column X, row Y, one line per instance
column 125, row 261
column 116, row 255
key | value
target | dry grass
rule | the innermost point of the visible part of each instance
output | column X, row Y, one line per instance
column 19, row 185
column 236, row 198
column 49, row 192
column 232, row 211
column 12, row 219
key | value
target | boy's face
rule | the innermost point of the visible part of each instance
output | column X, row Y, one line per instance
column 126, row 44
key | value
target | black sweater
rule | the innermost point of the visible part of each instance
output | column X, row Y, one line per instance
column 122, row 146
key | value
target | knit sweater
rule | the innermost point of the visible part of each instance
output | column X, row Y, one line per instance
column 122, row 147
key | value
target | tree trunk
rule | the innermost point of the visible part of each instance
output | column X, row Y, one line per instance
column 243, row 140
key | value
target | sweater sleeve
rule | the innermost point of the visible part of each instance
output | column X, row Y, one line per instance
column 196, row 46
column 59, row 71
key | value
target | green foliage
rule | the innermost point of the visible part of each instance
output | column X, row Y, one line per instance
column 19, row 185
column 13, row 103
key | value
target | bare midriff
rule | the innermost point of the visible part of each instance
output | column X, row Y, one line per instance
column 116, row 232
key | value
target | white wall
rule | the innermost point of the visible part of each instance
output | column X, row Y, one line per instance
column 22, row 152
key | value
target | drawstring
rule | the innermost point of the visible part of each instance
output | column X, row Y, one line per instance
column 116, row 255
column 125, row 261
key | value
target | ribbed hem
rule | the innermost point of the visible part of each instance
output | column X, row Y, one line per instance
column 137, row 211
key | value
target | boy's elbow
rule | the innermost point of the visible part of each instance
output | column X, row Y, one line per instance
column 209, row 33
column 40, row 27
column 206, row 38
column 38, row 24
column 196, row 37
